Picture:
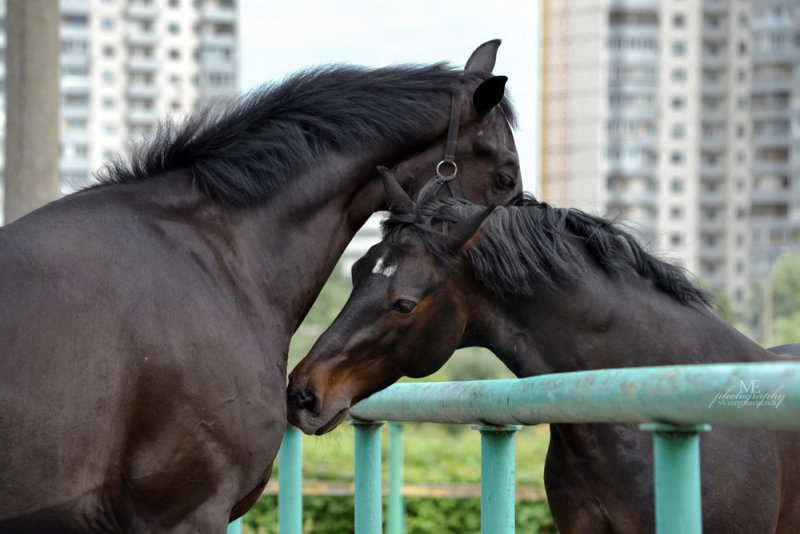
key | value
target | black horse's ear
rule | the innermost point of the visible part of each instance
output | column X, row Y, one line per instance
column 397, row 200
column 464, row 232
column 489, row 94
column 483, row 58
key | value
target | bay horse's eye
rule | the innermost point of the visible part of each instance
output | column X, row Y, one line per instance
column 403, row 306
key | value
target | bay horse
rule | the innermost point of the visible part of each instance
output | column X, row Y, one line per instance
column 548, row 291
column 146, row 321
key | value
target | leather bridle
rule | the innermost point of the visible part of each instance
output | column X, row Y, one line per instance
column 446, row 170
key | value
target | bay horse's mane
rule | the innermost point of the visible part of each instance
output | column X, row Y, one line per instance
column 240, row 152
column 530, row 243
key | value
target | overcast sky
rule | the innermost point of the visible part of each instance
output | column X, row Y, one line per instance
column 279, row 37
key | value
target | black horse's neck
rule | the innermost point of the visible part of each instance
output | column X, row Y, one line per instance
column 604, row 323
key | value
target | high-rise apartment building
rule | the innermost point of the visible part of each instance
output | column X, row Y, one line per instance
column 125, row 64
column 683, row 119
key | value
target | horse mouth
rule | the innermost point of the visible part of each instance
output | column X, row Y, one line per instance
column 333, row 423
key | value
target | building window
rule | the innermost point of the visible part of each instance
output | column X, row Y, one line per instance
column 742, row 48
column 174, row 28
column 677, row 102
column 676, row 212
column 678, row 75
column 678, row 131
column 676, row 158
column 109, row 77
column 174, row 3
column 678, row 21
column 108, row 51
column 678, row 48
column 677, row 185
column 107, row 23
column 174, row 53
column 676, row 240
column 109, row 103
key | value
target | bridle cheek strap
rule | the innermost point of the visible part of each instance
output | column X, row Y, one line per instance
column 447, row 169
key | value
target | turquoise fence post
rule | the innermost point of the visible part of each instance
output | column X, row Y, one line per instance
column 368, row 491
column 235, row 527
column 498, row 498
column 676, row 464
column 395, row 508
column 290, row 483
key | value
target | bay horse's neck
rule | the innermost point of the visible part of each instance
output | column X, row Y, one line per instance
column 602, row 323
column 302, row 231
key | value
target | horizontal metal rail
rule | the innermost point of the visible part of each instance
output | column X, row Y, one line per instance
column 763, row 395
column 674, row 402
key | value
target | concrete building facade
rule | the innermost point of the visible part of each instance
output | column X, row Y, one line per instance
column 680, row 119
column 125, row 64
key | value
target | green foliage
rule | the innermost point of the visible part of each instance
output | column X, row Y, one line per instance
column 786, row 287
column 334, row 515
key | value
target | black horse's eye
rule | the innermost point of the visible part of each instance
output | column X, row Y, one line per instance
column 504, row 181
column 403, row 306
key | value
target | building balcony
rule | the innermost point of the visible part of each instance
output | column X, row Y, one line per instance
column 632, row 198
column 142, row 11
column 715, row 7
column 717, row 61
column 712, row 199
column 140, row 90
column 715, row 33
column 714, row 115
column 143, row 64
column 770, row 167
column 769, row 197
column 714, row 143
column 713, row 254
column 212, row 13
column 74, row 112
column 772, row 111
column 630, row 30
column 771, row 139
column 74, row 33
column 143, row 117
column 73, row 7
column 219, row 39
column 713, row 89
column 787, row 57
column 72, row 165
column 633, row 112
column 768, row 224
column 714, row 226
column 627, row 168
column 760, row 85
column 712, row 171
column 75, row 85
column 141, row 38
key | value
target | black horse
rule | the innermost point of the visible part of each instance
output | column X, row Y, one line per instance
column 146, row 321
column 549, row 290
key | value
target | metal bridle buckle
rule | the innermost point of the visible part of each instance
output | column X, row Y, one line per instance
column 449, row 176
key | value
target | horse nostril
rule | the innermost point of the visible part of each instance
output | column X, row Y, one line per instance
column 306, row 399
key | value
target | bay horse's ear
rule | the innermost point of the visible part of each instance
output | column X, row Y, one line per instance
column 489, row 94
column 483, row 58
column 397, row 200
column 463, row 233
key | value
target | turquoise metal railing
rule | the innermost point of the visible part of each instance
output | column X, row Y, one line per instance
column 675, row 403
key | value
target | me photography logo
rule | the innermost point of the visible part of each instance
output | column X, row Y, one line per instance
column 749, row 393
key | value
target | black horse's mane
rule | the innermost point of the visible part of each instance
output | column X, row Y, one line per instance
column 240, row 152
column 524, row 245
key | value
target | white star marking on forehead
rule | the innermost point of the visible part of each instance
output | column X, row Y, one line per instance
column 384, row 269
